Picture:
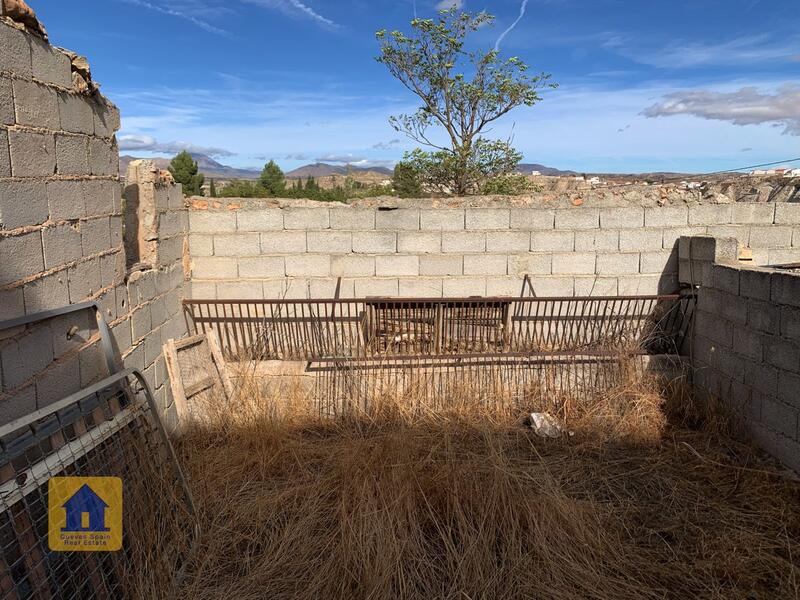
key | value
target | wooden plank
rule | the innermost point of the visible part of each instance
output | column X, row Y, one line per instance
column 200, row 386
column 176, row 382
column 222, row 367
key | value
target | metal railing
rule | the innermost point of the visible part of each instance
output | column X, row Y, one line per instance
column 385, row 327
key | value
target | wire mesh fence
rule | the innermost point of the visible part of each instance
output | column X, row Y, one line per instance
column 108, row 430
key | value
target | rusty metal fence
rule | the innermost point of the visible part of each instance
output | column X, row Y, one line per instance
column 394, row 327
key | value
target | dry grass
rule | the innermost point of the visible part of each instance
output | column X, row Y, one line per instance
column 647, row 500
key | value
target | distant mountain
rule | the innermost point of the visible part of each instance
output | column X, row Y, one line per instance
column 207, row 166
column 527, row 168
column 326, row 170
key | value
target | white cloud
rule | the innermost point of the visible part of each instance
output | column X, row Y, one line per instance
column 448, row 4
column 386, row 145
column 682, row 54
column 296, row 8
column 146, row 143
column 185, row 9
column 341, row 158
column 747, row 106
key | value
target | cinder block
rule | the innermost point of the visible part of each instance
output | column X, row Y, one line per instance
column 640, row 240
column 553, row 241
column 104, row 158
column 32, row 154
column 749, row 213
column 5, row 157
column 213, row 267
column 779, row 417
column 488, row 218
column 246, row 290
column 237, row 244
column 574, row 263
column 283, row 242
column 352, row 219
column 95, row 236
column 578, row 218
column 771, row 237
column 376, row 287
column 787, row 213
column 595, row 286
column 617, row 264
column 337, row 242
column 141, row 287
column 420, row 288
column 7, row 116
column 486, row 264
column 169, row 224
column 309, row 265
column 262, row 267
column 72, row 154
column 710, row 214
column 552, row 286
column 740, row 233
column 21, row 256
column 35, row 104
column 16, row 51
column 508, row 241
column 353, row 266
column 400, row 219
column 75, row 113
column 785, row 288
column 748, row 343
column 666, row 216
column 790, row 322
column 374, row 242
column 622, row 218
column 788, row 384
column 782, row 256
column 22, row 203
column 419, row 242
column 101, row 197
column 175, row 199
column 783, row 354
column 105, row 117
column 726, row 278
column 24, row 358
column 396, row 265
column 265, row 219
column 504, row 286
column 204, row 290
column 463, row 287
column 637, row 285
column 84, row 280
column 201, row 245
column 62, row 244
column 50, row 65
column 532, row 218
column 597, row 241
column 673, row 235
column 444, row 219
column 212, row 221
column 306, row 218
column 530, row 264
column 331, row 288
column 441, row 265
column 658, row 262
column 141, row 324
column 761, row 377
column 463, row 241
column 12, row 304
column 51, row 291
column 764, row 317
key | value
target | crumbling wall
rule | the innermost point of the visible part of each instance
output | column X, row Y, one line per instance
column 301, row 249
column 746, row 340
column 61, row 233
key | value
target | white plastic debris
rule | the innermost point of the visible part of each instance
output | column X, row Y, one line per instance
column 545, row 425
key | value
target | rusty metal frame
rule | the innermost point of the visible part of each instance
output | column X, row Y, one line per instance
column 364, row 328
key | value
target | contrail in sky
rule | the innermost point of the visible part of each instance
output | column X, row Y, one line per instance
column 522, row 10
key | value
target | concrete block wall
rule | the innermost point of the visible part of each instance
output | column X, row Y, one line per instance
column 746, row 341
column 301, row 249
column 61, row 236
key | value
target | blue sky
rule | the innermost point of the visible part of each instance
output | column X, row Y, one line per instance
column 645, row 85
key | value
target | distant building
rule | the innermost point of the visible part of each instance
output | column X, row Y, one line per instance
column 536, row 173
column 792, row 173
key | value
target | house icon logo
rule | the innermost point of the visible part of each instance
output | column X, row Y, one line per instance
column 85, row 514
column 86, row 511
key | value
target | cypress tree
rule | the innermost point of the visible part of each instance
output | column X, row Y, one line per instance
column 184, row 170
column 272, row 179
column 212, row 189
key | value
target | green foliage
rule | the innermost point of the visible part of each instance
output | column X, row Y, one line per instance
column 184, row 170
column 212, row 189
column 272, row 180
column 312, row 191
column 406, row 181
column 446, row 172
column 461, row 91
column 507, row 185
column 242, row 189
